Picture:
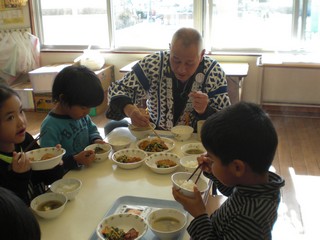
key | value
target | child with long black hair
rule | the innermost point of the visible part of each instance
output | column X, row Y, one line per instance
column 15, row 167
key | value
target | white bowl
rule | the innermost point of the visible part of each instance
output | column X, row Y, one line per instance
column 179, row 179
column 52, row 155
column 129, row 153
column 119, row 142
column 70, row 187
column 167, row 223
column 141, row 144
column 101, row 150
column 182, row 132
column 193, row 149
column 152, row 161
column 141, row 132
column 189, row 163
column 124, row 221
column 49, row 205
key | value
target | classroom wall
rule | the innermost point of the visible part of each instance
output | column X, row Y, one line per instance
column 279, row 85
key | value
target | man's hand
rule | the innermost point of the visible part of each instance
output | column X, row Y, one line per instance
column 200, row 101
column 139, row 116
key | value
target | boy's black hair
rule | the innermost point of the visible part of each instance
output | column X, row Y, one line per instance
column 77, row 85
column 16, row 219
column 242, row 131
column 6, row 92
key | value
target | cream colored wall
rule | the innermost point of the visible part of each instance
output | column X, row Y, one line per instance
column 280, row 85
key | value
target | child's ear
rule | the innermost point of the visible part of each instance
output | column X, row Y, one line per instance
column 238, row 167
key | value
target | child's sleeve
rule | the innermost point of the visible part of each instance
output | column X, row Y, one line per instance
column 93, row 130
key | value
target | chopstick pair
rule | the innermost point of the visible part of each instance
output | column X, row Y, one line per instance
column 34, row 141
column 154, row 131
column 194, row 173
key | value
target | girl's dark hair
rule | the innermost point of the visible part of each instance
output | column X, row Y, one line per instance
column 242, row 131
column 16, row 219
column 77, row 85
column 5, row 93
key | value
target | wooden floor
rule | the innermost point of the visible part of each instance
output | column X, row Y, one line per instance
column 297, row 161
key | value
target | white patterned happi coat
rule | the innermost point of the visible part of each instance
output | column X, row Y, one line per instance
column 151, row 79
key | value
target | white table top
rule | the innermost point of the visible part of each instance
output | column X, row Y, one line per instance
column 103, row 183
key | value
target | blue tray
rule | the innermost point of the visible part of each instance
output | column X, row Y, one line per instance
column 144, row 206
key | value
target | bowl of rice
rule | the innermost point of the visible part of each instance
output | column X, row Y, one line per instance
column 189, row 163
column 180, row 181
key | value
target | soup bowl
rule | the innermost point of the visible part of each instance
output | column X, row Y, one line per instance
column 49, row 205
column 167, row 223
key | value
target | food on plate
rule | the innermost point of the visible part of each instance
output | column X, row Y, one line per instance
column 165, row 163
column 194, row 151
column 99, row 150
column 44, row 157
column 127, row 159
column 49, row 205
column 114, row 233
column 154, row 145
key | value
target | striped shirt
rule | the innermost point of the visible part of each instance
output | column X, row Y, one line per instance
column 249, row 212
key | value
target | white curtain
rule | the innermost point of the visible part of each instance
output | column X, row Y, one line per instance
column 19, row 54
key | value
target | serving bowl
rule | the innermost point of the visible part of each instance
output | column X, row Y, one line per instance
column 182, row 132
column 167, row 223
column 163, row 163
column 119, row 142
column 153, row 145
column 69, row 187
column 49, row 205
column 124, row 222
column 179, row 181
column 45, row 158
column 189, row 163
column 101, row 150
column 193, row 149
column 129, row 158
column 141, row 132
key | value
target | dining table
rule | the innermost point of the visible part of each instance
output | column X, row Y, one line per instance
column 103, row 183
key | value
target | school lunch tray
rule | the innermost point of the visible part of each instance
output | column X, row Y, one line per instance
column 142, row 206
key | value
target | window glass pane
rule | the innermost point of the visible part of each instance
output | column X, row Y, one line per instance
column 250, row 24
column 149, row 23
column 312, row 34
column 74, row 22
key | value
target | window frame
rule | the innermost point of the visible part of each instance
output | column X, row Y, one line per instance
column 200, row 22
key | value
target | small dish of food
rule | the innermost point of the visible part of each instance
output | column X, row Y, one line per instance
column 45, row 158
column 155, row 144
column 70, row 187
column 189, row 163
column 119, row 142
column 182, row 132
column 141, row 132
column 193, row 149
column 118, row 225
column 129, row 158
column 49, row 205
column 101, row 150
column 163, row 163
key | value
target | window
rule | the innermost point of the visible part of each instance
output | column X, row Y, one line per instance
column 272, row 25
column 227, row 25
